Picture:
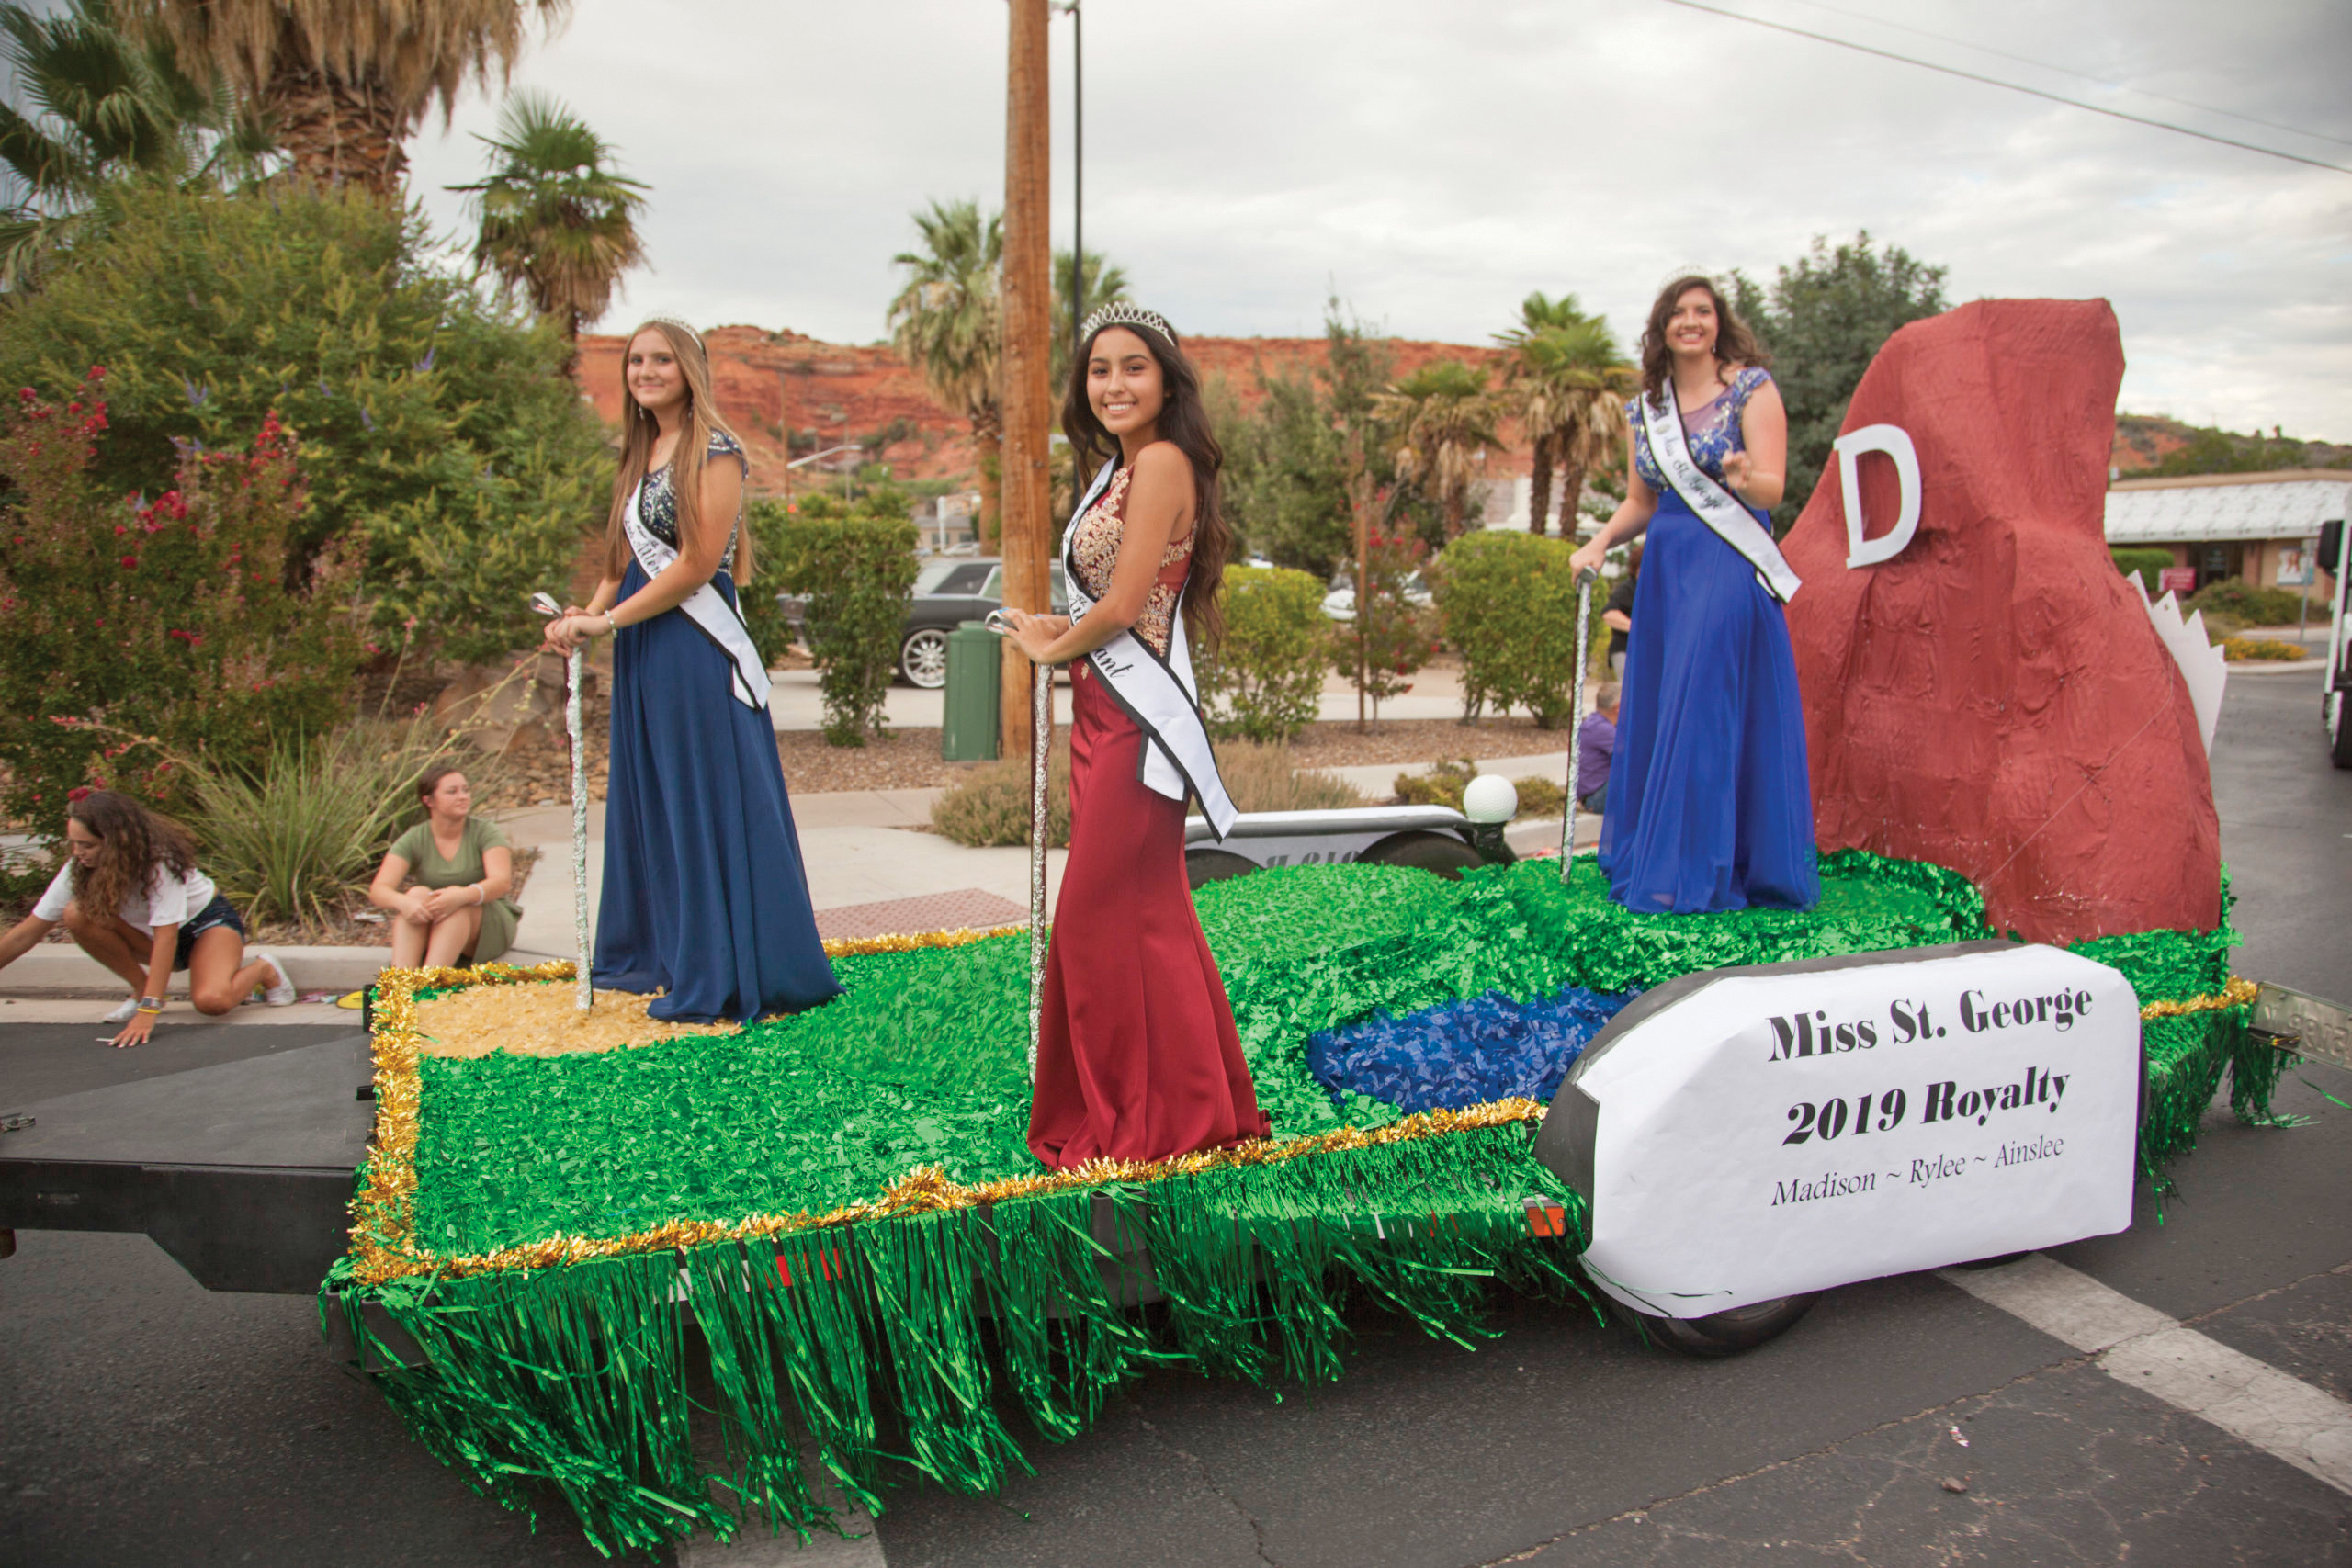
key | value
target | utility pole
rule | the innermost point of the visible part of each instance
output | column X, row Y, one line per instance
column 1076, row 173
column 1028, row 296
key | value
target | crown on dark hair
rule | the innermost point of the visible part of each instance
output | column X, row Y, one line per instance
column 1126, row 313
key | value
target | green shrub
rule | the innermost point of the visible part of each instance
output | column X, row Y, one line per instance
column 2147, row 564
column 1264, row 681
column 1263, row 776
column 2259, row 647
column 2250, row 606
column 2220, row 626
column 441, row 437
column 857, row 572
column 992, row 806
column 297, row 838
column 133, row 633
column 1508, row 602
column 767, row 522
column 1445, row 781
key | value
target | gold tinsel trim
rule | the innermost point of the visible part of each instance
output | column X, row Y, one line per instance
column 927, row 1189
column 852, row 947
column 2238, row 993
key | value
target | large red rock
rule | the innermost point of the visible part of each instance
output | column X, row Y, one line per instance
column 1993, row 698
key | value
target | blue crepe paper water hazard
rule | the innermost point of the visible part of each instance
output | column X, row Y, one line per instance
column 1463, row 1053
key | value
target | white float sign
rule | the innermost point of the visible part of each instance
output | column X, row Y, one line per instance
column 1752, row 1133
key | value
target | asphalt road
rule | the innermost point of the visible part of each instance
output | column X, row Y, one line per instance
column 147, row 1421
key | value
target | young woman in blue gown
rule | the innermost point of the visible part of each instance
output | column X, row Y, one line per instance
column 704, row 898
column 1710, row 800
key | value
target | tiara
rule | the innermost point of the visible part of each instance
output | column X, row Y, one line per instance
column 1125, row 313
column 1692, row 269
column 685, row 327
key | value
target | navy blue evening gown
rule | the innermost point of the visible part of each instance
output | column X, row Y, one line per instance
column 705, row 898
column 1710, row 800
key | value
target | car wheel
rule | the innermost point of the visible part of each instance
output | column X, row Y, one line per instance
column 1205, row 867
column 1440, row 854
column 1727, row 1333
column 922, row 659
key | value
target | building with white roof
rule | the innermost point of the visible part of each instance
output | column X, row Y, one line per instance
column 2263, row 528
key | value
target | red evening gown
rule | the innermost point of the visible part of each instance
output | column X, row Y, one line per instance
column 1137, row 1057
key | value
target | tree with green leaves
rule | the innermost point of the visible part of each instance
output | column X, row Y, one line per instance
column 1440, row 420
column 1286, row 472
column 1564, row 379
column 1104, row 280
column 555, row 219
column 91, row 102
column 1825, row 320
column 947, row 324
column 444, row 451
column 341, row 83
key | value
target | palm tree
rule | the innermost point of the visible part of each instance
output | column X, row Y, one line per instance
column 555, row 220
column 947, row 324
column 1104, row 281
column 93, row 102
column 1563, row 379
column 1440, row 419
column 342, row 83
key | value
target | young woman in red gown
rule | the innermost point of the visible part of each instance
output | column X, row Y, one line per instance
column 1136, row 1058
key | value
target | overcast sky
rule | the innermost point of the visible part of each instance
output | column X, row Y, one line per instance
column 1435, row 160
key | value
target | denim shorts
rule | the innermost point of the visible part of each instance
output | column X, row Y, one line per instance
column 220, row 912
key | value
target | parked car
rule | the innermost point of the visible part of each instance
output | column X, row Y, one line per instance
column 947, row 592
column 1339, row 603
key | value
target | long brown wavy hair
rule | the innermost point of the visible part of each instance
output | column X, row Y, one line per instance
column 1184, row 420
column 640, row 430
column 1735, row 345
column 132, row 843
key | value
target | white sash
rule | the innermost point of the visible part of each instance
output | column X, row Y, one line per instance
column 707, row 607
column 1159, row 693
column 1715, row 506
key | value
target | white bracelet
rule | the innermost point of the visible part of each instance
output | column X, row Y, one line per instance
column 481, row 897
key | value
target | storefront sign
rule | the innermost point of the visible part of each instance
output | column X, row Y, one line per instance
column 2180, row 580
column 1761, row 1131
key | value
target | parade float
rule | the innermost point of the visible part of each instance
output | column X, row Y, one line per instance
column 670, row 1275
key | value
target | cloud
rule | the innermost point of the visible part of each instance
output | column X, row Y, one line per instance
column 1434, row 164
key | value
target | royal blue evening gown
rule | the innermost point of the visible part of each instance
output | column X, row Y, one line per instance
column 1710, row 801
column 705, row 897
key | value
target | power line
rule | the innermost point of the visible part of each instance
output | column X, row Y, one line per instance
column 2013, row 86
column 2078, row 76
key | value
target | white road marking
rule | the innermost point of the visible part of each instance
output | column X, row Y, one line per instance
column 2251, row 1399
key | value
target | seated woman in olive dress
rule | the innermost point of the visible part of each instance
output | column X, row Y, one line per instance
column 463, row 869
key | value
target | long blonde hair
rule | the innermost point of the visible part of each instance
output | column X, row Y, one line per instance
column 640, row 430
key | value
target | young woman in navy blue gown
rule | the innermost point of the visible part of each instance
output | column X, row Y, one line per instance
column 1710, row 801
column 704, row 898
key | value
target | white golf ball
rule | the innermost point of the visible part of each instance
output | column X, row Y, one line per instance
column 1491, row 797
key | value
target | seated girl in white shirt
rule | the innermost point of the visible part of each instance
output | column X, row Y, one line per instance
column 132, row 898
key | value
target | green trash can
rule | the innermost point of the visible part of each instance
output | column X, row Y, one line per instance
column 975, row 670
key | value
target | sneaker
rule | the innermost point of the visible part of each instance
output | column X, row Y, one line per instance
column 280, row 995
column 124, row 1013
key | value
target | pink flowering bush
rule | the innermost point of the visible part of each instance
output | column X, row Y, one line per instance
column 136, row 628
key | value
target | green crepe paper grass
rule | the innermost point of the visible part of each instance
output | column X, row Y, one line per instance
column 574, row 1377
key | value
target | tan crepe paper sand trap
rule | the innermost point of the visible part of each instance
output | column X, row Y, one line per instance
column 541, row 1021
